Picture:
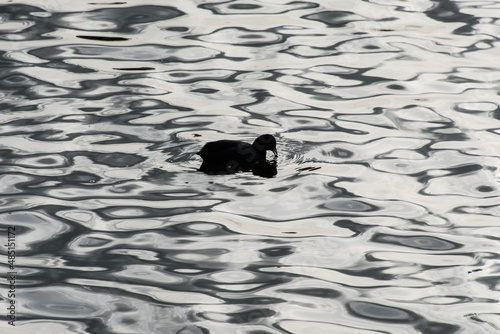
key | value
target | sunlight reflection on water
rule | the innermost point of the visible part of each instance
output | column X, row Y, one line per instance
column 383, row 215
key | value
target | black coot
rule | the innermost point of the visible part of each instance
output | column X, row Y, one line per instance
column 231, row 156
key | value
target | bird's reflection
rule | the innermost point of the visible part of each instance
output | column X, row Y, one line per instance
column 265, row 168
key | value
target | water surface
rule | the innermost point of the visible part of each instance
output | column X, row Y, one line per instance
column 383, row 217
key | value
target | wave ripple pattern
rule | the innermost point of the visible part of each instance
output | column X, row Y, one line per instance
column 383, row 217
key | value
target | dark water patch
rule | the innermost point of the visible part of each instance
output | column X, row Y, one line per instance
column 158, row 176
column 390, row 314
column 349, row 205
column 447, row 300
column 205, row 90
column 255, row 301
column 244, row 6
column 15, row 80
column 309, row 123
column 152, row 104
column 418, row 242
column 381, row 312
column 34, row 229
column 426, row 176
column 6, row 61
column 360, row 76
column 40, row 161
column 280, row 189
column 177, row 29
column 317, row 95
column 279, row 251
column 26, row 22
column 60, row 64
column 252, row 7
column 117, row 159
column 193, row 76
column 339, row 153
column 52, row 136
column 368, row 46
column 108, row 3
column 242, row 37
column 28, row 107
column 485, row 189
column 396, row 87
column 179, row 153
column 352, row 226
column 307, row 169
column 378, row 273
column 144, row 105
column 314, row 292
column 103, row 38
column 244, row 317
column 90, row 109
column 431, row 327
column 143, row 68
column 490, row 281
column 79, row 178
column 448, row 11
column 334, row 18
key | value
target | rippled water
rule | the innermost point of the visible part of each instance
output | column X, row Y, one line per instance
column 383, row 217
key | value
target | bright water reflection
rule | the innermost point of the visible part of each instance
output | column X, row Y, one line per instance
column 383, row 217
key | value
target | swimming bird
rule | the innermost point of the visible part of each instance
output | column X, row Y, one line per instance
column 231, row 156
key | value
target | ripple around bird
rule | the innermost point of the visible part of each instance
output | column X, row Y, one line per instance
column 383, row 215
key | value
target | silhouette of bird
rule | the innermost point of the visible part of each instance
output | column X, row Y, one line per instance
column 231, row 156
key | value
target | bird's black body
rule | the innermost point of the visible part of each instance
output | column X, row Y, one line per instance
column 231, row 156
